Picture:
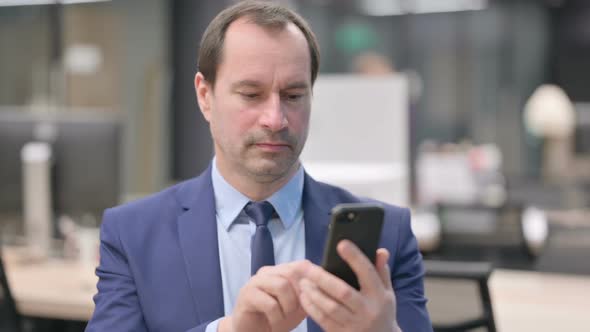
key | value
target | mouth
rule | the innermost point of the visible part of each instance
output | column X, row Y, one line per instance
column 272, row 146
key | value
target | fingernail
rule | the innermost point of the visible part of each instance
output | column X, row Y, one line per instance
column 344, row 245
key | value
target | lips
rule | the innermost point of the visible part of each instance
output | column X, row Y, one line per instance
column 273, row 146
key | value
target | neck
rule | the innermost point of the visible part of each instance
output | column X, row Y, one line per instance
column 257, row 188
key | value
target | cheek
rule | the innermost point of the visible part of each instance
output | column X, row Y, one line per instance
column 231, row 123
column 299, row 122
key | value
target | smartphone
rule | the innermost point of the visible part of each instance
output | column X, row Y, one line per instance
column 360, row 223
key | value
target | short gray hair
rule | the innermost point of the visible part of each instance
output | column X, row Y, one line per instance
column 262, row 13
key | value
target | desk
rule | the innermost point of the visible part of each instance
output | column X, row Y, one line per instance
column 522, row 300
column 533, row 301
column 51, row 288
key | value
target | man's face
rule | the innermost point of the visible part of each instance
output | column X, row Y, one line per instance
column 259, row 108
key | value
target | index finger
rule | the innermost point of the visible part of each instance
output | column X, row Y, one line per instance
column 335, row 288
column 368, row 278
column 293, row 271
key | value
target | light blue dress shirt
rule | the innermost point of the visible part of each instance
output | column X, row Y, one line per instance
column 235, row 230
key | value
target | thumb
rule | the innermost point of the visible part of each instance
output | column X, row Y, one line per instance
column 382, row 266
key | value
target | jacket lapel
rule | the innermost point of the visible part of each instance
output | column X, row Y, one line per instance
column 316, row 215
column 197, row 232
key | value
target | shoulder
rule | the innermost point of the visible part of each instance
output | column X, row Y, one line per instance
column 337, row 195
column 396, row 230
column 155, row 207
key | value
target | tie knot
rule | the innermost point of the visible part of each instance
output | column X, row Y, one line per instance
column 259, row 212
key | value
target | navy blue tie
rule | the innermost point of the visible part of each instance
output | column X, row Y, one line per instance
column 261, row 247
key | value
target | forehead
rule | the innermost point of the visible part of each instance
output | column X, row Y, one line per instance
column 254, row 52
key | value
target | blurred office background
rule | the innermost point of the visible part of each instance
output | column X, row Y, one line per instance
column 497, row 116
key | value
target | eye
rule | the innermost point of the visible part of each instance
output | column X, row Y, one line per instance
column 294, row 97
column 249, row 95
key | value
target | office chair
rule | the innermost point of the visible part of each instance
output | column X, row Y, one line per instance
column 10, row 320
column 501, row 234
column 458, row 296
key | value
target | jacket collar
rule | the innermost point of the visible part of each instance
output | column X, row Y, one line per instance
column 197, row 232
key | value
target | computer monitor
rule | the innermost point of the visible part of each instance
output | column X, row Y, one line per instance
column 86, row 160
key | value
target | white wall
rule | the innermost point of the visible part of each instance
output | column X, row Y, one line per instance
column 359, row 136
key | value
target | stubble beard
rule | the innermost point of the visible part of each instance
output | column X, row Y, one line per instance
column 268, row 167
column 265, row 167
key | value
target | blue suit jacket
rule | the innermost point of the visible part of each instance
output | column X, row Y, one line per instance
column 159, row 261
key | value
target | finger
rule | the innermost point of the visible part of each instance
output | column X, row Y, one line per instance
column 262, row 302
column 336, row 311
column 364, row 269
column 383, row 267
column 294, row 271
column 317, row 314
column 335, row 288
column 281, row 290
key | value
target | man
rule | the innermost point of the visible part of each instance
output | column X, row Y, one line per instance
column 187, row 258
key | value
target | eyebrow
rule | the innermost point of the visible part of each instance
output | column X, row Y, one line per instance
column 245, row 83
column 297, row 85
column 256, row 84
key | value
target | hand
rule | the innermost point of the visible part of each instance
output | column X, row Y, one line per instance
column 268, row 301
column 336, row 306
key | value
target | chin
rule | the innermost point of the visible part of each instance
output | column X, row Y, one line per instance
column 271, row 168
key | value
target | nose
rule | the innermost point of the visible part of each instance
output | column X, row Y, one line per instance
column 273, row 116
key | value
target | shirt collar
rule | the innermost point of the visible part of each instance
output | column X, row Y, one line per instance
column 230, row 202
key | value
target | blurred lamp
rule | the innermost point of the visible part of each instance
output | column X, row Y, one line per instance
column 549, row 113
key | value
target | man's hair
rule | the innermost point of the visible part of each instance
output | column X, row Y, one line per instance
column 262, row 13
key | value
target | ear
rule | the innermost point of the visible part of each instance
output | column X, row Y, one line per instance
column 204, row 92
